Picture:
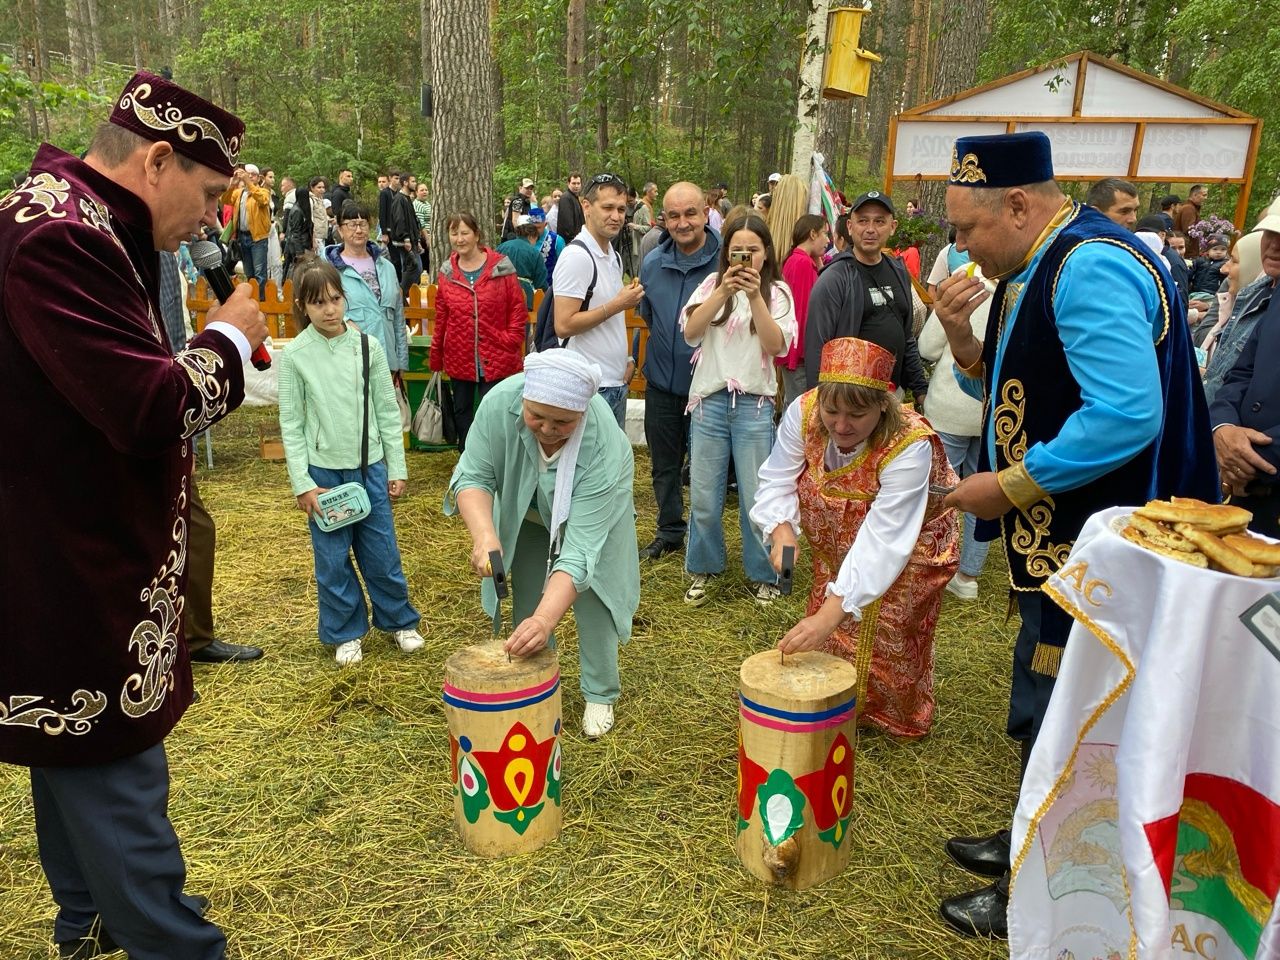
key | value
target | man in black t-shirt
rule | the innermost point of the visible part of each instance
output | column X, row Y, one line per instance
column 863, row 293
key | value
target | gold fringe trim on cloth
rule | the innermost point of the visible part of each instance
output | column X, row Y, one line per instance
column 1047, row 659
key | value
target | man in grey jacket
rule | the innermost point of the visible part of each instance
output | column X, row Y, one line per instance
column 862, row 293
column 689, row 252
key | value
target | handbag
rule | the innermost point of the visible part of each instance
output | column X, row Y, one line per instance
column 406, row 417
column 348, row 503
column 428, row 422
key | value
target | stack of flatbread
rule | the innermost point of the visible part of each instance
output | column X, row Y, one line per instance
column 1209, row 535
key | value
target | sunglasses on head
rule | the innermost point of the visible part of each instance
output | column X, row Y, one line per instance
column 606, row 180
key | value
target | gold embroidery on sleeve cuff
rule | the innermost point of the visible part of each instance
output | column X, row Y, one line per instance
column 1018, row 486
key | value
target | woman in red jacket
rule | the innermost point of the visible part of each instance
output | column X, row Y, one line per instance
column 478, row 338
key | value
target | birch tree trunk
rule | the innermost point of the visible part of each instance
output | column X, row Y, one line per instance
column 809, row 90
column 462, row 147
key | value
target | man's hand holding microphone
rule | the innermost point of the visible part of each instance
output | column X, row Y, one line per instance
column 241, row 311
column 236, row 305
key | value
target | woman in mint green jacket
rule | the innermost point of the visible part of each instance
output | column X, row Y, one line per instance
column 374, row 301
column 547, row 479
column 322, row 418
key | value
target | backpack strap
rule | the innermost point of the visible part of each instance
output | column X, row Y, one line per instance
column 591, row 287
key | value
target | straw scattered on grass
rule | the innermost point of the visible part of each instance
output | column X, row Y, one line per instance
column 314, row 808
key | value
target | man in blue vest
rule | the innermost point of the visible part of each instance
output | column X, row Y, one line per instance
column 670, row 273
column 1093, row 401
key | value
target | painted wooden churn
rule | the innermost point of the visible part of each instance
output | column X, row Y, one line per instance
column 504, row 748
column 795, row 766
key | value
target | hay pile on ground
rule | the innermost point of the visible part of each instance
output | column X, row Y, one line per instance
column 314, row 807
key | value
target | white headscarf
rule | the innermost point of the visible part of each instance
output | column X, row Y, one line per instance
column 565, row 379
column 1153, row 242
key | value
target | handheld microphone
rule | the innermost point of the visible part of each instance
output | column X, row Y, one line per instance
column 207, row 258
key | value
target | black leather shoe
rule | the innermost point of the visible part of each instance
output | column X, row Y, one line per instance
column 659, row 546
column 980, row 913
column 985, row 856
column 99, row 943
column 222, row 652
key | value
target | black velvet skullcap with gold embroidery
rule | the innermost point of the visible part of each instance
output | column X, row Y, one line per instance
column 1004, row 160
column 160, row 110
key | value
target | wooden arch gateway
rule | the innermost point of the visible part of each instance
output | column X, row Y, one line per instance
column 1103, row 118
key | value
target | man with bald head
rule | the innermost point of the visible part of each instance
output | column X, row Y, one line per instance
column 1093, row 401
column 96, row 476
column 670, row 273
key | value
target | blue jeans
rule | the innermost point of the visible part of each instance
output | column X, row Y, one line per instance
column 253, row 253
column 962, row 453
column 343, row 615
column 616, row 397
column 721, row 424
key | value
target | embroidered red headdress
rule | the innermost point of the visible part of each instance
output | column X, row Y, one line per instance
column 849, row 360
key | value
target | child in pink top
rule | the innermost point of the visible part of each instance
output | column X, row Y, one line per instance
column 809, row 238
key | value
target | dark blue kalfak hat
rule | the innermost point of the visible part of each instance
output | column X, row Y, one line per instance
column 1006, row 160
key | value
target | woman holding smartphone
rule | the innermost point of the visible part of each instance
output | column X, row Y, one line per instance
column 739, row 319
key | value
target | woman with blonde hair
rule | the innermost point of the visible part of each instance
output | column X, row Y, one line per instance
column 790, row 203
column 864, row 479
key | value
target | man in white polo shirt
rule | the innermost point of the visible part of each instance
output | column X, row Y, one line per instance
column 597, row 328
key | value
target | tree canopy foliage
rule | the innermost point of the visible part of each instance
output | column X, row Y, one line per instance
column 664, row 89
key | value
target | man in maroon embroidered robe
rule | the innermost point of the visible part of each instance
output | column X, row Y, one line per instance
column 95, row 485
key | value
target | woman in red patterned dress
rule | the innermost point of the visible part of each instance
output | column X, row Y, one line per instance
column 864, row 479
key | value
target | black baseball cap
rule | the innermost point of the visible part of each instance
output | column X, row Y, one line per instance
column 874, row 196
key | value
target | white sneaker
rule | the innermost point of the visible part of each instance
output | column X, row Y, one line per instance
column 348, row 653
column 766, row 593
column 964, row 589
column 409, row 640
column 597, row 719
column 696, row 595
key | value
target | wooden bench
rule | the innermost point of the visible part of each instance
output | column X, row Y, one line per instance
column 420, row 314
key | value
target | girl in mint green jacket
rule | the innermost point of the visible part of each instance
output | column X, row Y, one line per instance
column 322, row 390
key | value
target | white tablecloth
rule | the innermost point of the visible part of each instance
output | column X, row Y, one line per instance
column 1149, row 820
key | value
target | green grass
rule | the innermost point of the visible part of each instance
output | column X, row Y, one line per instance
column 314, row 807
